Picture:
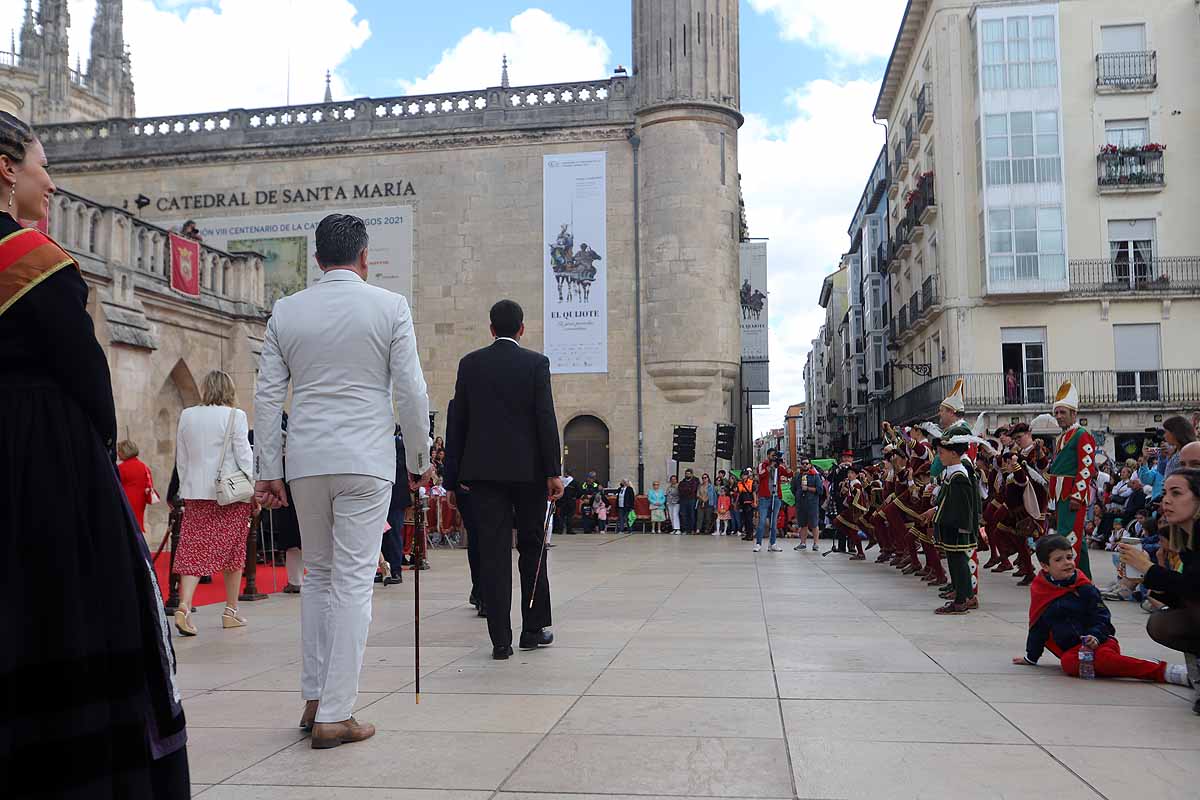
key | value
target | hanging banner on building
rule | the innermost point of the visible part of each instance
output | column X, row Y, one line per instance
column 185, row 265
column 575, row 289
column 756, row 381
column 288, row 245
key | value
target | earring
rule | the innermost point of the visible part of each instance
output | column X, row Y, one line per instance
column 12, row 195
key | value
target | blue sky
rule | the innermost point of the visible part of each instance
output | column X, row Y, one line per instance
column 810, row 74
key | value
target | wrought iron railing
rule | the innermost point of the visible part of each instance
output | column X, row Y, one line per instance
column 1129, row 170
column 909, row 134
column 914, row 307
column 902, row 321
column 929, row 292
column 1130, row 70
column 1125, row 275
column 1165, row 388
column 924, row 102
column 8, row 59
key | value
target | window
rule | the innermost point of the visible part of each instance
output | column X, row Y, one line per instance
column 1138, row 361
column 1126, row 132
column 1026, row 243
column 1122, row 38
column 935, row 346
column 1022, row 147
column 1131, row 251
column 1019, row 53
column 1023, row 353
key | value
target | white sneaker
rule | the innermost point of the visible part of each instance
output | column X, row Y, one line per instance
column 757, row 547
column 774, row 549
column 1177, row 674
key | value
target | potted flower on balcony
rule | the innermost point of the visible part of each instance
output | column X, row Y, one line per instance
column 911, row 198
column 1153, row 147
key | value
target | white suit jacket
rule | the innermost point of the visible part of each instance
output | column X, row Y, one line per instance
column 198, row 449
column 349, row 351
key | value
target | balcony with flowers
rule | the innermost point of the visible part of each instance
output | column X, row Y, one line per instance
column 1131, row 169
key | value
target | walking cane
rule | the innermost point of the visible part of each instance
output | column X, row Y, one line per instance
column 542, row 557
column 418, row 559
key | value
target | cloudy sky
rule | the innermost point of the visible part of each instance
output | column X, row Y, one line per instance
column 810, row 73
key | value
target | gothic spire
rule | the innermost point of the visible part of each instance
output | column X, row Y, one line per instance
column 328, row 89
column 504, row 72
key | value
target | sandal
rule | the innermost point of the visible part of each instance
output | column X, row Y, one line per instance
column 230, row 618
column 183, row 622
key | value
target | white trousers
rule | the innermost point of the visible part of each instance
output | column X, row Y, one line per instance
column 673, row 515
column 341, row 529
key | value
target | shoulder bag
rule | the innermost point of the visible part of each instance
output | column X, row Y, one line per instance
column 236, row 487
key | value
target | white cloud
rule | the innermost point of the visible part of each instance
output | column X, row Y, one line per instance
column 802, row 182
column 540, row 49
column 852, row 30
column 191, row 56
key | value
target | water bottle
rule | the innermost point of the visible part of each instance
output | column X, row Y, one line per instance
column 1087, row 663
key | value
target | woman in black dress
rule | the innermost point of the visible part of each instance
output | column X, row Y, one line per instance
column 89, row 706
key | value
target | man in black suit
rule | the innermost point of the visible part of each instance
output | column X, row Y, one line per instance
column 508, row 453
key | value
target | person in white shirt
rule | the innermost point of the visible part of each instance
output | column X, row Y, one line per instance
column 212, row 537
column 350, row 353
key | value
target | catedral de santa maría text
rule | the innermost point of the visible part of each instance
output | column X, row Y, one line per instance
column 544, row 433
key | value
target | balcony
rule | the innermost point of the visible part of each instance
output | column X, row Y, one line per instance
column 902, row 322
column 927, row 209
column 1141, row 277
column 883, row 256
column 904, row 231
column 1127, row 170
column 929, row 294
column 1098, row 389
column 912, row 141
column 1127, row 72
column 925, row 108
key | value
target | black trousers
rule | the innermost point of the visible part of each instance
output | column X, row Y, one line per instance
column 466, row 509
column 498, row 508
column 1177, row 628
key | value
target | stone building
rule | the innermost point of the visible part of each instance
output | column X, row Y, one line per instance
column 38, row 82
column 467, row 169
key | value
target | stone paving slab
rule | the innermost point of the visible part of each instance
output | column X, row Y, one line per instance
column 689, row 667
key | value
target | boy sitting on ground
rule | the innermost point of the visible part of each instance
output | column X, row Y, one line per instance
column 1066, row 614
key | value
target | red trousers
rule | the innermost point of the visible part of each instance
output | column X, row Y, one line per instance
column 1109, row 663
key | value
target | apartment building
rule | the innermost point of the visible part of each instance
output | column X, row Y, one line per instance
column 1044, row 192
column 824, row 423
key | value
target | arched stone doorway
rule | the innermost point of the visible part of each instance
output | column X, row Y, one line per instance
column 585, row 448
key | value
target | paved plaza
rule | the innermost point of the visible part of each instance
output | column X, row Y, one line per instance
column 690, row 667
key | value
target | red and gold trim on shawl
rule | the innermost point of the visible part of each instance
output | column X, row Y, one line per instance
column 27, row 257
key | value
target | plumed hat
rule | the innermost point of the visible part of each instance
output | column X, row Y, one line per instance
column 956, row 400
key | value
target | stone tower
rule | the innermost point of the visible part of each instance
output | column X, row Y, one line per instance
column 685, row 66
column 109, row 73
column 53, row 102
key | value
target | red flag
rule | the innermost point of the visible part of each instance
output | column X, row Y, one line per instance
column 185, row 265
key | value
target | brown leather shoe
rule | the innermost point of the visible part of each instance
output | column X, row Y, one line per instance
column 309, row 717
column 332, row 734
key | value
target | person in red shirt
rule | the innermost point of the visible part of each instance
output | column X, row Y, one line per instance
column 772, row 473
column 136, row 479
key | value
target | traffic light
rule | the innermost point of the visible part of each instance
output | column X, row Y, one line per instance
column 683, row 444
column 725, row 437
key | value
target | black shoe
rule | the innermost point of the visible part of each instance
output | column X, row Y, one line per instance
column 502, row 653
column 473, row 600
column 532, row 640
column 482, row 612
column 378, row 578
column 393, row 580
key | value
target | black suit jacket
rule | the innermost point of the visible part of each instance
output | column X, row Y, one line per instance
column 502, row 420
column 450, row 465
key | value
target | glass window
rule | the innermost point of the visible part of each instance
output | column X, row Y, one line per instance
column 1018, row 53
column 1000, row 225
column 1126, row 132
column 999, row 172
column 993, row 54
column 1045, row 57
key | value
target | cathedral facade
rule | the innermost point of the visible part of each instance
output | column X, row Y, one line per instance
column 461, row 195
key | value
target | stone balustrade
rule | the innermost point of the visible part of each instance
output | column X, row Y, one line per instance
column 136, row 254
column 599, row 101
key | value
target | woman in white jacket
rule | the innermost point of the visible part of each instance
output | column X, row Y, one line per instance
column 212, row 537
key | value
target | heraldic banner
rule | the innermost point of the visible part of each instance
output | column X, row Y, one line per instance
column 185, row 265
column 574, row 272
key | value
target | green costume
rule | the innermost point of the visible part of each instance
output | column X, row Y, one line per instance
column 956, row 525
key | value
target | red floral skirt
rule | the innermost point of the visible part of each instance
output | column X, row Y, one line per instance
column 212, row 537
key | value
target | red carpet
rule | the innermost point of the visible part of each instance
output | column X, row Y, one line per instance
column 207, row 594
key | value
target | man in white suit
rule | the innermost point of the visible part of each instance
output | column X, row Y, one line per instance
column 350, row 353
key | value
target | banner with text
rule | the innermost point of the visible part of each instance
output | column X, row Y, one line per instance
column 288, row 245
column 575, row 288
column 753, row 302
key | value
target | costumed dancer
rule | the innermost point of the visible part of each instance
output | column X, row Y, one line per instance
column 956, row 520
column 995, row 511
column 923, row 502
column 1027, row 496
column 849, row 519
column 1072, row 473
column 839, row 477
